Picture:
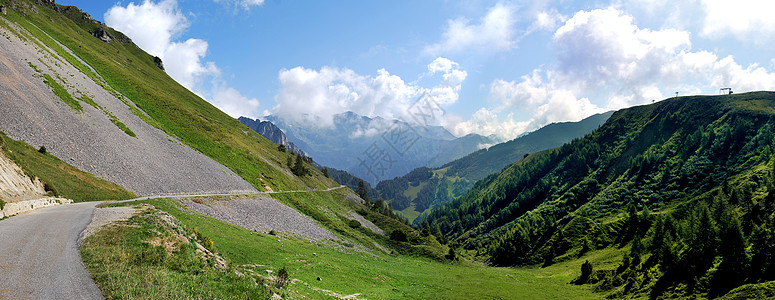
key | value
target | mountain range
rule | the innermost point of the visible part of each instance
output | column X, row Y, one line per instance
column 271, row 132
column 376, row 149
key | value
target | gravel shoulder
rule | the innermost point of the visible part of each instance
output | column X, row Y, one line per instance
column 106, row 215
column 260, row 213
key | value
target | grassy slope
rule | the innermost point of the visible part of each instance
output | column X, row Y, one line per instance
column 128, row 70
column 377, row 275
column 125, row 265
column 64, row 180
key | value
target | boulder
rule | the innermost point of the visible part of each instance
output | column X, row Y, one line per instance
column 102, row 34
column 2, row 9
column 158, row 62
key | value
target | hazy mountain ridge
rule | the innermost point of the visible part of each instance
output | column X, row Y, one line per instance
column 352, row 139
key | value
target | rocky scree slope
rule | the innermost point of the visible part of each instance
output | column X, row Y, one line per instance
column 34, row 78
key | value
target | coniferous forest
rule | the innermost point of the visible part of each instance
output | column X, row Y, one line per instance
column 684, row 188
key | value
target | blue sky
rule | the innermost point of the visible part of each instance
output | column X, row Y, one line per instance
column 497, row 67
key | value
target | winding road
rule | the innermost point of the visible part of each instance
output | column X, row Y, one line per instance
column 39, row 257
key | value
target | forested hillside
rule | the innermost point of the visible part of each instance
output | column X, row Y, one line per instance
column 684, row 188
column 425, row 188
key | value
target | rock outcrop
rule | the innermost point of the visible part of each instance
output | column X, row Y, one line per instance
column 19, row 193
column 158, row 62
column 15, row 185
column 271, row 132
column 102, row 34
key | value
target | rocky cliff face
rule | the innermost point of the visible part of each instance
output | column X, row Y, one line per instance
column 15, row 185
column 271, row 132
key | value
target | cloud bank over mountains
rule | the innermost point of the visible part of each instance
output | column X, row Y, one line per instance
column 627, row 53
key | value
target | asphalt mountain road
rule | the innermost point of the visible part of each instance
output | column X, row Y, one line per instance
column 39, row 256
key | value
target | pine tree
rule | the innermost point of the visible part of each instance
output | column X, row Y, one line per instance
column 734, row 266
column 635, row 251
column 298, row 168
column 325, row 172
column 362, row 192
column 702, row 241
column 586, row 273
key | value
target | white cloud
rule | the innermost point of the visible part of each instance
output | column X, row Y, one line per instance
column 441, row 64
column 602, row 55
column 547, row 20
column 604, row 50
column 495, row 31
column 154, row 27
column 739, row 18
column 544, row 101
column 487, row 123
column 233, row 103
column 245, row 4
column 528, row 93
column 308, row 95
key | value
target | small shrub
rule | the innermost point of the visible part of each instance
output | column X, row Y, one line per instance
column 197, row 200
column 49, row 188
column 354, row 224
column 282, row 277
column 398, row 235
column 281, row 148
column 2, row 204
column 586, row 272
column 272, row 232
column 42, row 150
column 208, row 243
column 451, row 255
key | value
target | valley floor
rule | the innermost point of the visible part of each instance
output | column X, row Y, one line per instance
column 343, row 271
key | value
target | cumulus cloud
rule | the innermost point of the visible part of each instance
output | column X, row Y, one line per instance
column 543, row 100
column 602, row 55
column 546, row 20
column 233, row 103
column 308, row 95
column 739, row 18
column 604, row 50
column 155, row 27
column 495, row 31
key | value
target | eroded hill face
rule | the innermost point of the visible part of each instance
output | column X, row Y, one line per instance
column 15, row 185
column 47, row 101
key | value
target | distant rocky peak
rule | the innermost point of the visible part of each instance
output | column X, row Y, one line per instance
column 271, row 132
